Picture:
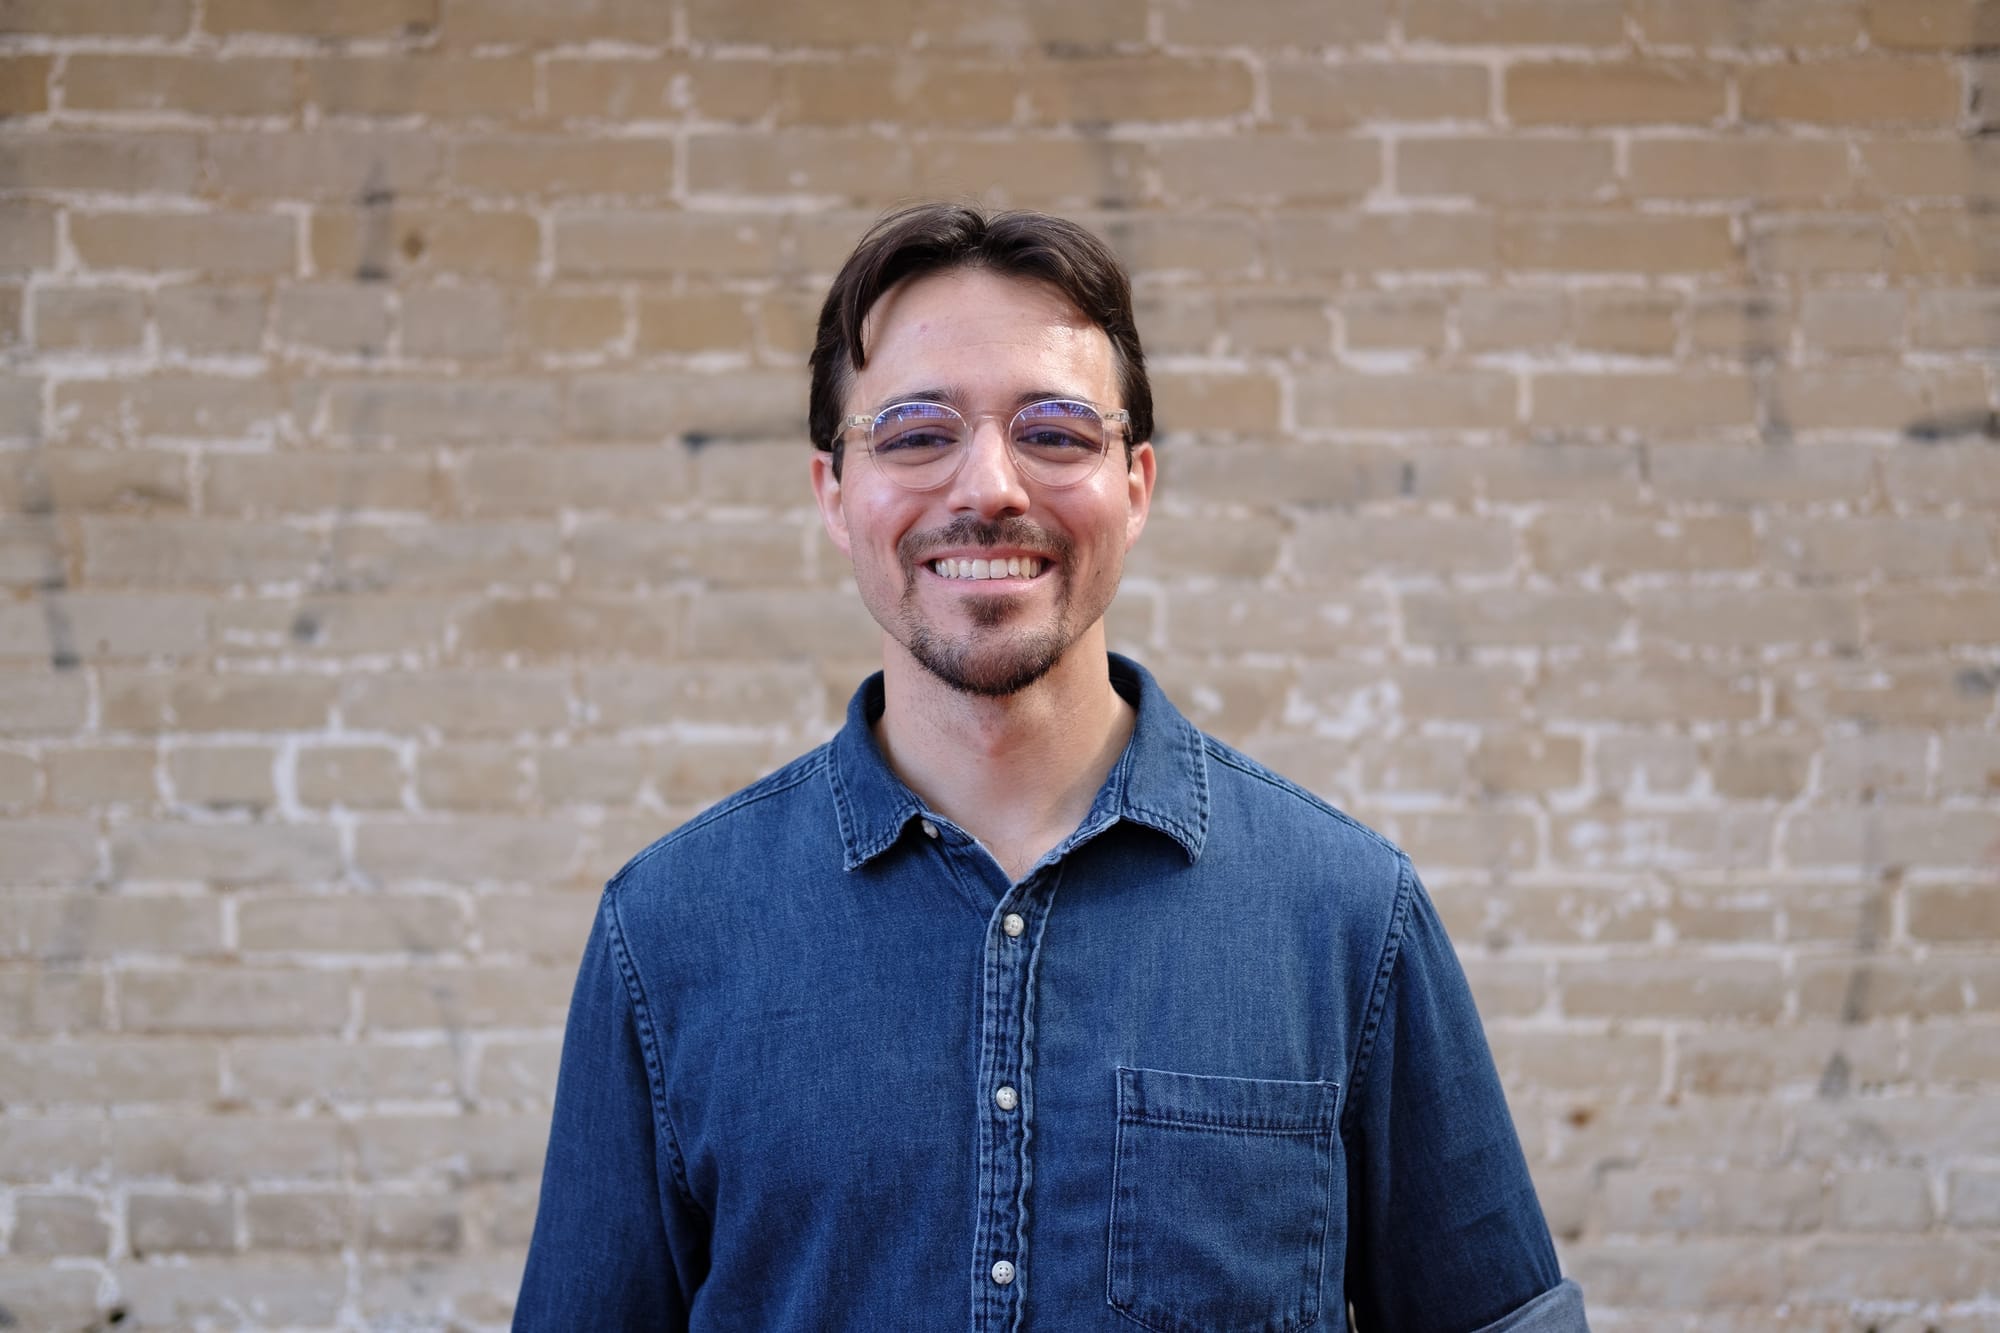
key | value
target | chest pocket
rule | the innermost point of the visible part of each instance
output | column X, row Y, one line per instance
column 1221, row 1201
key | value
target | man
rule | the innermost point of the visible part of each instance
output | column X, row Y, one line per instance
column 1020, row 1004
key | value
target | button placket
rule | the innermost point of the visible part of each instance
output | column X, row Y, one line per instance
column 1010, row 952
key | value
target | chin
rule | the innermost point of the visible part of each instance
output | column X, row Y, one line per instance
column 989, row 671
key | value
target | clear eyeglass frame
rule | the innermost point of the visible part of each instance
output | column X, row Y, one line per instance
column 928, row 475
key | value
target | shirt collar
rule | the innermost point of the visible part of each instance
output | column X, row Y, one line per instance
column 1161, row 781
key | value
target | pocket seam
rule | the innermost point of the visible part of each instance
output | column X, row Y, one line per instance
column 1318, row 1127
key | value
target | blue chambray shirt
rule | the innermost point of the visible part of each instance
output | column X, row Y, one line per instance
column 1211, row 1065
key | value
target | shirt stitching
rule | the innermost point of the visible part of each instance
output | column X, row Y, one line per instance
column 635, row 995
column 1378, row 996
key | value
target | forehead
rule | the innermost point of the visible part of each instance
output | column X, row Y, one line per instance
column 981, row 334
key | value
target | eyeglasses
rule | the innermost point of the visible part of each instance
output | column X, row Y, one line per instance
column 921, row 445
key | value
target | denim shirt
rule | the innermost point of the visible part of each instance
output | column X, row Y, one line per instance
column 1210, row 1065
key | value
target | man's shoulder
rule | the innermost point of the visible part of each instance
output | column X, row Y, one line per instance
column 745, row 823
column 1264, row 801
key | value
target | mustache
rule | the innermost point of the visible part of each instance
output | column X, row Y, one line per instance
column 970, row 530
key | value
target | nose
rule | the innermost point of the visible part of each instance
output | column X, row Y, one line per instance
column 988, row 483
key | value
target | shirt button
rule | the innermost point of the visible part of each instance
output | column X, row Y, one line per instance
column 1006, row 1098
column 1013, row 925
column 1003, row 1272
column 930, row 829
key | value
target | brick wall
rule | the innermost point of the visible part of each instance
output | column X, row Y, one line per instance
column 1579, row 459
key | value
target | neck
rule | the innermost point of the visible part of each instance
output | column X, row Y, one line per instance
column 1018, row 772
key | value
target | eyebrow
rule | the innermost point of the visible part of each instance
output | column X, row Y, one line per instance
column 952, row 397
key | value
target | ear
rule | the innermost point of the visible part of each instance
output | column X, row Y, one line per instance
column 1139, row 491
column 826, row 490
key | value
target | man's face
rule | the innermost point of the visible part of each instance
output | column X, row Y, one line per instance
column 988, row 344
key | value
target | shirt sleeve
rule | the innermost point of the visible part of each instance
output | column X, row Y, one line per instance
column 617, row 1244
column 1445, row 1234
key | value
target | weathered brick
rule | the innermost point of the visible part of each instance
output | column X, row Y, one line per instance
column 27, row 235
column 1730, row 617
column 297, row 1220
column 1462, row 400
column 145, row 702
column 1761, row 169
column 263, row 485
column 1761, row 767
column 537, row 925
column 1769, row 474
column 1731, row 1200
column 1932, row 618
column 1631, row 987
column 444, row 86
column 1932, row 25
column 1287, row 620
column 89, row 319
column 456, row 703
column 1304, row 243
column 351, row 319
column 349, row 923
column 1888, row 835
column 1533, row 22
column 843, row 165
column 1969, row 764
column 692, row 322
column 163, row 163
column 67, row 18
column 49, row 851
column 241, row 86
column 537, row 627
column 1344, row 95
column 59, row 1224
column 1853, row 321
column 562, row 166
column 1648, row 691
column 1515, row 171
column 225, row 853
column 280, row 1291
column 411, row 1222
column 1605, row 243
column 700, row 406
column 602, row 244
column 220, row 243
column 1852, row 92
column 1568, row 544
column 464, row 323
column 1341, row 544
column 322, row 164
column 1590, row 93
column 384, row 240
column 594, row 477
column 429, row 410
column 184, row 407
column 322, row 18
column 1047, row 171
column 471, row 777
column 133, row 1072
column 236, row 1000
column 491, row 849
column 479, row 22
column 303, row 1069
column 209, row 319
column 1724, row 25
column 1103, row 90
column 460, row 998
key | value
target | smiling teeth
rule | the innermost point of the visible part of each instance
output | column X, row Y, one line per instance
column 1011, row 567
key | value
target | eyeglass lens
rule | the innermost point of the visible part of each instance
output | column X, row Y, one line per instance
column 921, row 444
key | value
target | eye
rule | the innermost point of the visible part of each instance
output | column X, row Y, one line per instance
column 1060, row 429
column 916, row 428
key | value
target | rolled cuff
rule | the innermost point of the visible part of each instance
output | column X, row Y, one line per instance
column 1557, row 1310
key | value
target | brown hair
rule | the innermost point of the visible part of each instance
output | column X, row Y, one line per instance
column 935, row 238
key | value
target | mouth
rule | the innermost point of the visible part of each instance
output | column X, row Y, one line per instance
column 986, row 569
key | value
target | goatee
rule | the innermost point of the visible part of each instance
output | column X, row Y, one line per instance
column 996, row 665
